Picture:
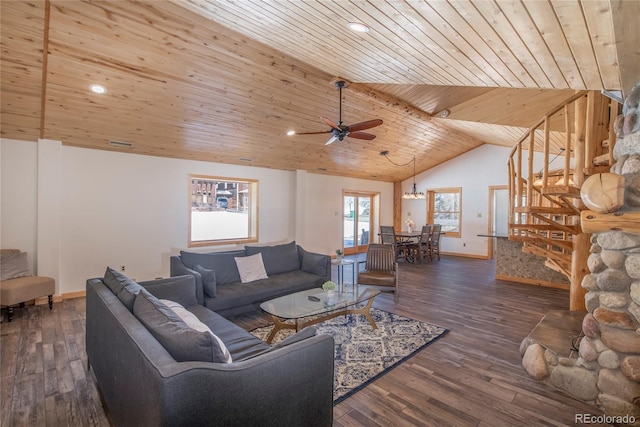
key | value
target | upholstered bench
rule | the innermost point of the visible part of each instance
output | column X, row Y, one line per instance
column 17, row 285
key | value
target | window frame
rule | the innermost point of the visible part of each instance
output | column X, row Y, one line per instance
column 252, row 211
column 431, row 193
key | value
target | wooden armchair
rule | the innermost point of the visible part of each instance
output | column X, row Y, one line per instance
column 381, row 268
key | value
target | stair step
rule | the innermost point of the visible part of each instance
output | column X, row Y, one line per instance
column 541, row 240
column 574, row 229
column 546, row 210
column 602, row 160
column 558, row 257
column 562, row 190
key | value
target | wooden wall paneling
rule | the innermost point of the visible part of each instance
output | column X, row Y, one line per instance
column 22, row 29
column 627, row 40
column 554, row 30
column 502, row 24
column 576, row 32
column 476, row 48
column 531, row 37
column 599, row 21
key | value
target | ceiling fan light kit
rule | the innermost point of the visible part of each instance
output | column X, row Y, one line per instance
column 340, row 131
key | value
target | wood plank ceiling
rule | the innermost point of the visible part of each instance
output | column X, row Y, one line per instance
column 224, row 81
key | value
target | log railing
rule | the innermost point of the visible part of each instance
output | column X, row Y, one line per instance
column 547, row 167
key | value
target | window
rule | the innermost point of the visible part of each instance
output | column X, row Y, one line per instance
column 222, row 210
column 445, row 207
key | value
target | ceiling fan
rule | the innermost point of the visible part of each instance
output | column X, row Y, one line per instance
column 340, row 131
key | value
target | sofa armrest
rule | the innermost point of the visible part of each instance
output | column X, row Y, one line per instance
column 180, row 289
column 177, row 268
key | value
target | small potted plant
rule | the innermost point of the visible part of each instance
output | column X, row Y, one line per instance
column 330, row 288
column 339, row 254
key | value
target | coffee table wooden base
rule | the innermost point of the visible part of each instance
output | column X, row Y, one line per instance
column 300, row 324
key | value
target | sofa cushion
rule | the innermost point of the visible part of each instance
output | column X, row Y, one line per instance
column 208, row 280
column 251, row 268
column 241, row 344
column 277, row 259
column 123, row 287
column 182, row 342
column 193, row 322
column 14, row 266
column 314, row 263
column 222, row 263
column 237, row 295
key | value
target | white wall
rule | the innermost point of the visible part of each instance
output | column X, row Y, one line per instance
column 323, row 220
column 123, row 209
column 474, row 172
column 18, row 197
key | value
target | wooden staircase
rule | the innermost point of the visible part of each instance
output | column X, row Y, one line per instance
column 547, row 167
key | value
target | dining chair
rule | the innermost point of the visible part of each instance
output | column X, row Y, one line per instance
column 420, row 249
column 434, row 244
column 388, row 237
column 381, row 268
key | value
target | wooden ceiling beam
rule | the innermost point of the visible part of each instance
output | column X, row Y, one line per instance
column 384, row 99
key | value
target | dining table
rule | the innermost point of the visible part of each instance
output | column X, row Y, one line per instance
column 403, row 239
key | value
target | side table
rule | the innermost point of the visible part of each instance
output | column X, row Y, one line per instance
column 340, row 264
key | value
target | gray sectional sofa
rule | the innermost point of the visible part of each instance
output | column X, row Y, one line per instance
column 154, row 368
column 289, row 268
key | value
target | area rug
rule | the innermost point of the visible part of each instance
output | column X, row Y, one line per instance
column 363, row 354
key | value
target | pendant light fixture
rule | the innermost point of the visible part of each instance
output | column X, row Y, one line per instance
column 413, row 194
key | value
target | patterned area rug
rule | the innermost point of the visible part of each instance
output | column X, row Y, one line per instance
column 363, row 353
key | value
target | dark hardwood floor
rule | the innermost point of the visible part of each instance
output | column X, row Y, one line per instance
column 470, row 377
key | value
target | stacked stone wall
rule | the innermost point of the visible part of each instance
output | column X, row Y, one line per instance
column 606, row 369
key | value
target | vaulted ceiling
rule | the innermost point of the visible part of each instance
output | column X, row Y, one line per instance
column 223, row 81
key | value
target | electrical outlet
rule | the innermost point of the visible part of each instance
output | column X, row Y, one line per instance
column 123, row 268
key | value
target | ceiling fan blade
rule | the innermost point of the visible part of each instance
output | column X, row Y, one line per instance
column 361, row 135
column 331, row 123
column 330, row 141
column 365, row 125
column 313, row 133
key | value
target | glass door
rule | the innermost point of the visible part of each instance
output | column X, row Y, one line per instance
column 357, row 224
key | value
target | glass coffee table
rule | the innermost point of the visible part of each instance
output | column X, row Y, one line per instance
column 315, row 302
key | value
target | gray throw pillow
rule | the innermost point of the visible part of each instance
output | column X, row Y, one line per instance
column 314, row 264
column 208, row 280
column 223, row 263
column 173, row 288
column 182, row 342
column 14, row 266
column 123, row 287
column 278, row 258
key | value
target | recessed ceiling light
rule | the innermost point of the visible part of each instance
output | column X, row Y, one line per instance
column 99, row 89
column 291, row 132
column 358, row 27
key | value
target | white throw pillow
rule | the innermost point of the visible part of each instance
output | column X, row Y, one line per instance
column 251, row 268
column 193, row 322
